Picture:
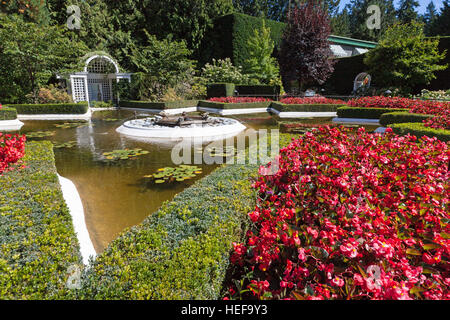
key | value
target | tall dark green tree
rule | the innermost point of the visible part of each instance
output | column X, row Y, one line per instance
column 340, row 24
column 270, row 9
column 407, row 11
column 429, row 18
column 441, row 25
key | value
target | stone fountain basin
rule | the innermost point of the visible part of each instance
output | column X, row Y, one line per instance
column 140, row 128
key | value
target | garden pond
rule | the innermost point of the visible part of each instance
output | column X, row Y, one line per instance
column 118, row 188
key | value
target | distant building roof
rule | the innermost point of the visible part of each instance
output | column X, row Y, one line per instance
column 352, row 42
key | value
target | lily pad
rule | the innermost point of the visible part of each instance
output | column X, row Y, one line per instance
column 70, row 125
column 172, row 174
column 40, row 134
column 64, row 145
column 124, row 154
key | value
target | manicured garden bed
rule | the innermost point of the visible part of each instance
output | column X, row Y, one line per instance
column 365, row 113
column 402, row 117
column 37, row 239
column 59, row 108
column 349, row 216
column 8, row 113
column 305, row 107
column 420, row 130
column 182, row 250
column 234, row 105
column 158, row 105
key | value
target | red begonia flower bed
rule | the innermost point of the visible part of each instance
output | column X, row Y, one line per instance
column 311, row 100
column 238, row 99
column 349, row 215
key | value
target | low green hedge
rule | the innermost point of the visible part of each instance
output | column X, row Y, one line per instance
column 419, row 130
column 182, row 250
column 258, row 90
column 305, row 107
column 365, row 113
column 158, row 105
column 402, row 117
column 59, row 108
column 214, row 90
column 8, row 113
column 228, row 106
column 37, row 240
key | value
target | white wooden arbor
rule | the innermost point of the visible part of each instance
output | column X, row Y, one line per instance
column 95, row 82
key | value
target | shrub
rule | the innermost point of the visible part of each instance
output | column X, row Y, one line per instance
column 60, row 108
column 230, row 35
column 404, row 58
column 220, row 90
column 158, row 105
column 349, row 216
column 305, row 107
column 364, row 113
column 235, row 105
column 52, row 95
column 181, row 251
column 223, row 71
column 420, row 130
column 37, row 240
column 8, row 113
column 402, row 117
column 261, row 90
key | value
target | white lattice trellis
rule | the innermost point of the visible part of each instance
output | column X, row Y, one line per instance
column 79, row 89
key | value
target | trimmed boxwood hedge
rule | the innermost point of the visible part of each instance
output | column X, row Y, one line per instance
column 58, row 108
column 182, row 250
column 229, row 35
column 258, row 90
column 419, row 130
column 158, row 105
column 8, row 113
column 220, row 90
column 365, row 113
column 227, row 106
column 305, row 107
column 402, row 117
column 37, row 240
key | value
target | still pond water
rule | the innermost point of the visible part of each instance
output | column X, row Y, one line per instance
column 116, row 195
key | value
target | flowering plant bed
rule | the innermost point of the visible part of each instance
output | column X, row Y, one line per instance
column 238, row 100
column 311, row 100
column 12, row 149
column 349, row 215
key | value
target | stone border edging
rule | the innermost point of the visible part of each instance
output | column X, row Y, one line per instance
column 374, row 122
column 11, row 125
column 73, row 201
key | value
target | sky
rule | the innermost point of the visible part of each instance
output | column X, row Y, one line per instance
column 421, row 9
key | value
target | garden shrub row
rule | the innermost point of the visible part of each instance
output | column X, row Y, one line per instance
column 158, row 105
column 37, row 240
column 8, row 113
column 305, row 107
column 59, row 108
column 215, row 90
column 220, row 90
column 420, row 130
column 182, row 250
column 402, row 117
column 226, row 106
column 229, row 36
column 365, row 113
